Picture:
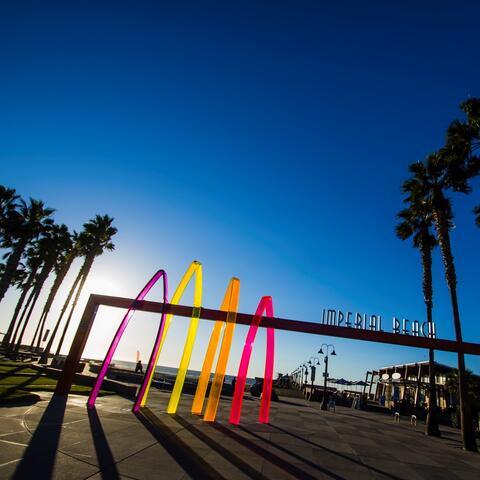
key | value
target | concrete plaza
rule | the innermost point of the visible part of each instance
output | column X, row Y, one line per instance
column 62, row 440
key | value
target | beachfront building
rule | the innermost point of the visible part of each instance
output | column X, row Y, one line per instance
column 409, row 383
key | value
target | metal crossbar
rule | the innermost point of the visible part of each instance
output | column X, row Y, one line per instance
column 95, row 301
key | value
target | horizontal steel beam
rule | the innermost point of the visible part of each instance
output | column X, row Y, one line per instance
column 95, row 301
column 297, row 326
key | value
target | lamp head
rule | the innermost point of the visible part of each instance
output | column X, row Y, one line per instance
column 320, row 351
column 333, row 353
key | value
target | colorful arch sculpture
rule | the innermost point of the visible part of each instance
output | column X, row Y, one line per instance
column 194, row 268
column 230, row 305
column 121, row 329
column 265, row 305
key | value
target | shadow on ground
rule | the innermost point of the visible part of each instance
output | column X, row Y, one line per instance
column 39, row 458
column 185, row 456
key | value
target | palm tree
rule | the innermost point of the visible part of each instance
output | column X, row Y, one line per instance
column 8, row 219
column 416, row 221
column 62, row 268
column 429, row 182
column 23, row 225
column 476, row 211
column 33, row 263
column 8, row 204
column 61, row 246
column 451, row 385
column 98, row 238
column 51, row 245
column 94, row 240
column 451, row 169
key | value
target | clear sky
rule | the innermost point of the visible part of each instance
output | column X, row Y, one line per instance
column 268, row 140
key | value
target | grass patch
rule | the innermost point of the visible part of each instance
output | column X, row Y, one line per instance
column 9, row 367
column 18, row 382
column 29, row 380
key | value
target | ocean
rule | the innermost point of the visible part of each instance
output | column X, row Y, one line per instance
column 162, row 370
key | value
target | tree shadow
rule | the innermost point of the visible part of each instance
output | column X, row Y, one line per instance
column 39, row 457
column 195, row 466
column 13, row 371
column 108, row 467
column 19, row 386
column 245, row 467
column 329, row 450
column 275, row 459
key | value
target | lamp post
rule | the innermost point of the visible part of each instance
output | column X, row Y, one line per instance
column 324, row 406
column 305, row 374
column 312, row 372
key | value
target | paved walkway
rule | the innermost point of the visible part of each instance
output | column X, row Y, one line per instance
column 63, row 441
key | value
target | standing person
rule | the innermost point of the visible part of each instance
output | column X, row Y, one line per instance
column 139, row 367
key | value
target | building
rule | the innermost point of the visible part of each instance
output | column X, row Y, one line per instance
column 409, row 383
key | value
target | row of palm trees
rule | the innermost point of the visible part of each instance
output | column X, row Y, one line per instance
column 36, row 247
column 428, row 219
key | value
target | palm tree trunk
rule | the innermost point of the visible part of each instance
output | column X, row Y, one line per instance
column 84, row 272
column 40, row 324
column 46, row 352
column 18, row 341
column 11, row 267
column 25, row 288
column 42, row 277
column 441, row 225
column 51, row 297
column 20, row 321
column 431, row 426
column 18, row 307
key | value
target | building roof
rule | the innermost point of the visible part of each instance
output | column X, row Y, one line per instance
column 424, row 362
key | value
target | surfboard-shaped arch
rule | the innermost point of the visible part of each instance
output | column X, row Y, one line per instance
column 195, row 268
column 230, row 305
column 121, row 329
column 265, row 306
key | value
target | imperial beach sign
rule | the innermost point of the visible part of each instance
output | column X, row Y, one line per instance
column 375, row 323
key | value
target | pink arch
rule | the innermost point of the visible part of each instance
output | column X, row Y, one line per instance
column 265, row 305
column 121, row 330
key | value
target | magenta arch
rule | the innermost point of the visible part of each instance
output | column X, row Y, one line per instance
column 265, row 306
column 121, row 330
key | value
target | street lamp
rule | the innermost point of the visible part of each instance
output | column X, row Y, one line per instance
column 305, row 373
column 324, row 406
column 313, row 371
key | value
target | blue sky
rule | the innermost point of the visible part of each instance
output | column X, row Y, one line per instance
column 267, row 140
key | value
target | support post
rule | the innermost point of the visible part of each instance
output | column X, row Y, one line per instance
column 76, row 349
column 371, row 383
column 417, row 389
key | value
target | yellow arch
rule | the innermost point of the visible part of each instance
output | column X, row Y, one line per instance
column 194, row 268
column 230, row 305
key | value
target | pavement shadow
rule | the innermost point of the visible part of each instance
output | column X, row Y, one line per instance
column 333, row 452
column 195, row 466
column 245, row 467
column 275, row 459
column 108, row 467
column 38, row 461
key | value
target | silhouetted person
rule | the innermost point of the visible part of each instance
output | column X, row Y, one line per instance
column 139, row 368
